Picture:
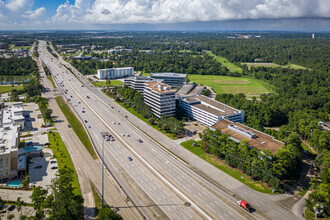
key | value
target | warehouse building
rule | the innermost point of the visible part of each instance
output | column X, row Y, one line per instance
column 172, row 79
column 208, row 111
column 115, row 73
column 160, row 98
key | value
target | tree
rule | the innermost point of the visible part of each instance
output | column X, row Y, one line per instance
column 19, row 204
column 62, row 200
column 47, row 113
column 11, row 216
column 106, row 213
column 26, row 181
column 14, row 95
column 2, row 203
column 38, row 198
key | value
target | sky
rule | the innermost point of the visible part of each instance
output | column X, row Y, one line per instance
column 187, row 15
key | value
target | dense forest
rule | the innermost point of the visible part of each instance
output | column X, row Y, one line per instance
column 17, row 66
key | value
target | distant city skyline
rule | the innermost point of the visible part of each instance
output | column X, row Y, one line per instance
column 185, row 15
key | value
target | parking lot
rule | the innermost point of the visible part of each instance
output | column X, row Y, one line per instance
column 42, row 170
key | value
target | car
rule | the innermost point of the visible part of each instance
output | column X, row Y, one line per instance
column 86, row 121
column 114, row 122
column 83, row 111
column 38, row 166
column 69, row 126
column 107, row 138
column 139, row 140
column 89, row 126
column 118, row 111
column 118, row 123
column 11, row 208
column 47, row 144
column 127, row 135
column 53, row 161
column 124, row 135
column 111, row 106
column 88, row 97
column 130, row 158
column 126, row 116
column 54, row 168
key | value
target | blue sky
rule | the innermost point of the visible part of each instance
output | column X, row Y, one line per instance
column 291, row 15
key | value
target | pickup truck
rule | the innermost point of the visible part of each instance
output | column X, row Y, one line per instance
column 244, row 205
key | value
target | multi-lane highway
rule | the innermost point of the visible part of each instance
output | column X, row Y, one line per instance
column 157, row 182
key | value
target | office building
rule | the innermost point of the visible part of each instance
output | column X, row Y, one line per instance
column 115, row 73
column 256, row 139
column 138, row 82
column 208, row 111
column 22, row 43
column 160, row 98
column 172, row 79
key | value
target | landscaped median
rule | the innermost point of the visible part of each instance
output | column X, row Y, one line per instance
column 76, row 126
column 63, row 158
column 217, row 162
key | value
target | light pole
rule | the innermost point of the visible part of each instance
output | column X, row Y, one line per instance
column 103, row 172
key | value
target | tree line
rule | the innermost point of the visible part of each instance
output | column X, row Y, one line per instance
column 17, row 66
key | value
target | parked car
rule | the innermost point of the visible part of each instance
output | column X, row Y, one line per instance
column 69, row 126
column 38, row 166
column 130, row 159
column 54, row 168
column 11, row 208
column 53, row 161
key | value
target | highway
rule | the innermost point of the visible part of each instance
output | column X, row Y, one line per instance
column 156, row 181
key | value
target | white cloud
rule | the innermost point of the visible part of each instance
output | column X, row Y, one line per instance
column 16, row 12
column 170, row 11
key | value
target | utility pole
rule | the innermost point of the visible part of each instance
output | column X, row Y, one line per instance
column 103, row 173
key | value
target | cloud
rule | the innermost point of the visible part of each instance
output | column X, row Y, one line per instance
column 19, row 12
column 172, row 11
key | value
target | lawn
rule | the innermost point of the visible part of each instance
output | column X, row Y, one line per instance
column 235, row 85
column 103, row 83
column 8, row 88
column 258, row 186
column 76, row 126
column 232, row 67
column 290, row 65
column 21, row 47
column 50, row 78
column 63, row 158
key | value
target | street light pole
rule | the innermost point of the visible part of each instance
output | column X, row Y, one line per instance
column 102, row 172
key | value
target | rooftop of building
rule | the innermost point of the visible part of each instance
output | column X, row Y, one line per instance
column 159, row 87
column 189, row 89
column 118, row 68
column 177, row 75
column 211, row 106
column 262, row 141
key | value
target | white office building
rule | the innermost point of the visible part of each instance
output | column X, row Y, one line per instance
column 160, row 98
column 115, row 73
column 138, row 82
column 208, row 111
column 172, row 79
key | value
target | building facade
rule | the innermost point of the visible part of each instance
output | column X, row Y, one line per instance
column 172, row 79
column 115, row 73
column 160, row 98
column 12, row 121
column 208, row 111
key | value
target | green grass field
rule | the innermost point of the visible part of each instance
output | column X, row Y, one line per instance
column 103, row 83
column 63, row 158
column 290, row 65
column 21, row 47
column 235, row 85
column 50, row 78
column 225, row 168
column 8, row 88
column 232, row 67
column 76, row 126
